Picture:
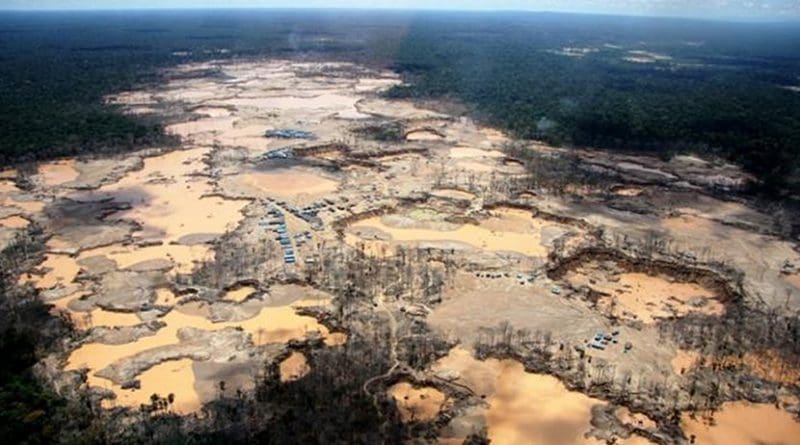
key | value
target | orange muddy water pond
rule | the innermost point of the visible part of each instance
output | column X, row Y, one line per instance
column 29, row 207
column 294, row 367
column 335, row 339
column 172, row 377
column 794, row 280
column 744, row 423
column 185, row 258
column 524, row 408
column 628, row 191
column 645, row 297
column 684, row 360
column 417, row 404
column 767, row 364
column 58, row 269
column 271, row 325
column 240, row 294
column 100, row 317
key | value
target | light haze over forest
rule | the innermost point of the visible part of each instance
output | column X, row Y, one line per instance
column 717, row 9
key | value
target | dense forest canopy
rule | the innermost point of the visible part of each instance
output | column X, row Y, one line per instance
column 661, row 85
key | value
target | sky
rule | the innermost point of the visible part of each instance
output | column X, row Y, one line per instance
column 720, row 9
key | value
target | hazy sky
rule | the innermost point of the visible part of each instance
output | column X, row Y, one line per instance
column 753, row 9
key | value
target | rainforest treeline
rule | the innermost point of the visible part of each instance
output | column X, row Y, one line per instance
column 722, row 89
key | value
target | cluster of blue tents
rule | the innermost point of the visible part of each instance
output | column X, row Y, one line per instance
column 283, row 235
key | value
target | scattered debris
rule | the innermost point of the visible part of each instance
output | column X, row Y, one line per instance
column 289, row 134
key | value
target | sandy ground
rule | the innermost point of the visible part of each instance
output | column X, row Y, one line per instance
column 468, row 152
column 684, row 361
column 794, row 280
column 290, row 183
column 58, row 173
column 423, row 135
column 14, row 222
column 15, row 201
column 453, row 194
column 506, row 230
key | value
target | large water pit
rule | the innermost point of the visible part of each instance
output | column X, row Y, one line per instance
column 55, row 270
column 768, row 364
column 743, row 423
column 642, row 291
column 521, row 407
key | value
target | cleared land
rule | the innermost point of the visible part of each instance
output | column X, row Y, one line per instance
column 189, row 267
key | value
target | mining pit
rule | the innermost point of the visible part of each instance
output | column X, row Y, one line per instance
column 186, row 266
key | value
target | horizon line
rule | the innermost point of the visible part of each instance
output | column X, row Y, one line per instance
column 729, row 19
